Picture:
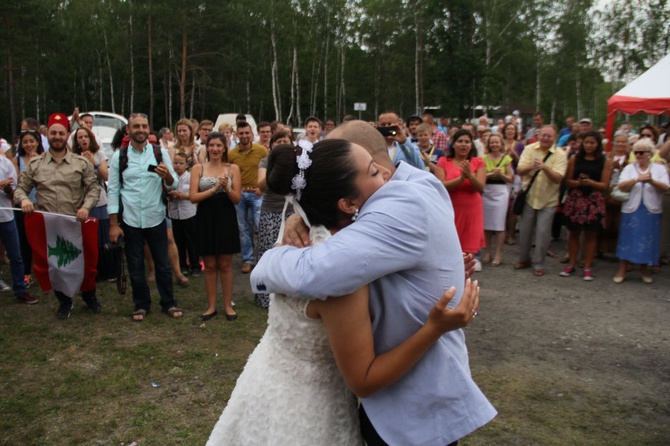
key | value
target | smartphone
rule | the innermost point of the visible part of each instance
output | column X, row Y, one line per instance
column 388, row 131
column 151, row 168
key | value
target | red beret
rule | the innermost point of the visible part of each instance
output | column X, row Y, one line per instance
column 59, row 118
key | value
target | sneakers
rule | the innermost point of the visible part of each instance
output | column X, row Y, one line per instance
column 587, row 275
column 567, row 272
column 93, row 305
column 3, row 286
column 27, row 280
column 27, row 298
column 478, row 265
column 64, row 309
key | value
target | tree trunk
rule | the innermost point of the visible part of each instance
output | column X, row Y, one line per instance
column 417, row 62
column 578, row 86
column 190, row 115
column 12, row 106
column 151, row 70
column 343, row 93
column 325, row 72
column 293, row 72
column 182, row 81
column 109, row 68
column 538, row 86
column 276, row 99
column 23, row 90
column 132, row 63
column 100, row 82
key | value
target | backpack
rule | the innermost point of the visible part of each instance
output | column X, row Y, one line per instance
column 123, row 165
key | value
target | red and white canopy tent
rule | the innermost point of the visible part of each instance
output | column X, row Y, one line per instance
column 649, row 93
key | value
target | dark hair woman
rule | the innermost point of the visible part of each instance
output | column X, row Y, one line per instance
column 465, row 175
column 85, row 144
column 30, row 146
column 587, row 179
column 327, row 184
column 216, row 186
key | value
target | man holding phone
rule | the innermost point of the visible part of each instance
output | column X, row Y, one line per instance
column 400, row 149
column 137, row 174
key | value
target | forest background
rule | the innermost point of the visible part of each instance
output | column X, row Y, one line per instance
column 289, row 59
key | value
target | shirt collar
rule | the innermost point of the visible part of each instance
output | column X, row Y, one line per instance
column 67, row 158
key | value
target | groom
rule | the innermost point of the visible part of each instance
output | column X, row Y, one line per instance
column 437, row 402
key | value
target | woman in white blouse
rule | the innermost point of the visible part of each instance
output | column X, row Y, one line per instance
column 640, row 231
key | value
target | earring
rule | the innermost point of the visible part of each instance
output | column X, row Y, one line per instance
column 355, row 216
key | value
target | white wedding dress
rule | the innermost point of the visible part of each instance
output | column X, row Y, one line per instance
column 290, row 392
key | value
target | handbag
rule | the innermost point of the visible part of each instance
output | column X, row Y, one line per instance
column 619, row 195
column 520, row 200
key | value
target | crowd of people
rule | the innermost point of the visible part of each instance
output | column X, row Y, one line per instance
column 185, row 201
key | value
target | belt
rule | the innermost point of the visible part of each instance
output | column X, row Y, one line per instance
column 248, row 189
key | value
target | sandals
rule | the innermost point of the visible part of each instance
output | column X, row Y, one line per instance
column 522, row 265
column 538, row 272
column 182, row 280
column 139, row 315
column 172, row 312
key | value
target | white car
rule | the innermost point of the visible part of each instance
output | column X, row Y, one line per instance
column 229, row 118
column 105, row 126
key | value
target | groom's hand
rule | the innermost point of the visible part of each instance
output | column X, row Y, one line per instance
column 469, row 264
column 295, row 232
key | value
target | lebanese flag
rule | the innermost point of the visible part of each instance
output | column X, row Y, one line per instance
column 65, row 251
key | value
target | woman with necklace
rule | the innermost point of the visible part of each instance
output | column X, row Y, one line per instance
column 513, row 147
column 465, row 176
column 496, row 196
column 185, row 142
column 587, row 179
column 640, row 231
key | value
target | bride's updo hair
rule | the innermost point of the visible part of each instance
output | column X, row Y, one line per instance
column 331, row 176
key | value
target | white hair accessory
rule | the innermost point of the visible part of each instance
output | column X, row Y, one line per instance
column 298, row 182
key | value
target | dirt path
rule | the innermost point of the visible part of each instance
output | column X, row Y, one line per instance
column 595, row 340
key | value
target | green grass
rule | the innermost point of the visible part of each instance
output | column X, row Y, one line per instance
column 87, row 380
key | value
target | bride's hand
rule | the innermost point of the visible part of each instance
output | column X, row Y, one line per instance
column 295, row 232
column 444, row 319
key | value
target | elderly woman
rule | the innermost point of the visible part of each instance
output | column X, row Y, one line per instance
column 640, row 231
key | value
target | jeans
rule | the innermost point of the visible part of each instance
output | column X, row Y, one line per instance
column 156, row 238
column 248, row 216
column 540, row 220
column 10, row 238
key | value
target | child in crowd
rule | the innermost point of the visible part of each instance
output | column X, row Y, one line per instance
column 182, row 213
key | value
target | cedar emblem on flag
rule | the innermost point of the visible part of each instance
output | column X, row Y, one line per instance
column 65, row 251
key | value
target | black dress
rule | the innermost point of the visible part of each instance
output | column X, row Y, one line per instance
column 216, row 221
column 584, row 208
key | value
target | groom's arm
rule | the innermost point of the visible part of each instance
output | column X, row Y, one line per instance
column 386, row 238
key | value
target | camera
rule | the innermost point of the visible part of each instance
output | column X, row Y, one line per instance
column 388, row 131
column 115, row 247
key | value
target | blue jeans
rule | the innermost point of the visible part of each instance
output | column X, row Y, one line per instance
column 10, row 238
column 248, row 216
column 156, row 238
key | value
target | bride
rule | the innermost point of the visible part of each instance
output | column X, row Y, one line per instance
column 294, row 389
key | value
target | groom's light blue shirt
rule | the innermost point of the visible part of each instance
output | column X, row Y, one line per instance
column 404, row 244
